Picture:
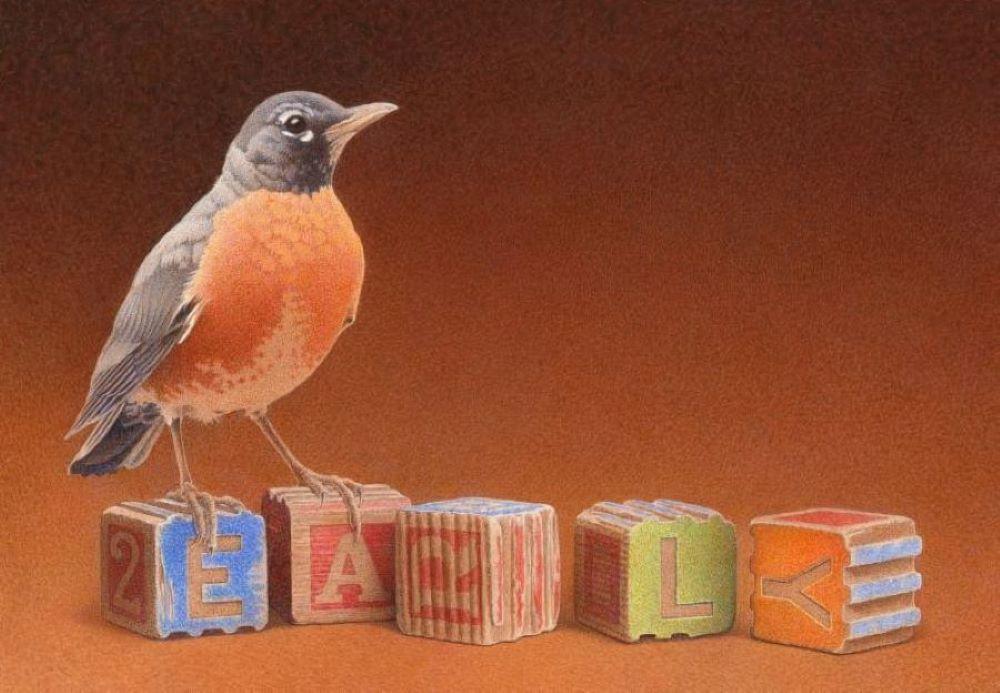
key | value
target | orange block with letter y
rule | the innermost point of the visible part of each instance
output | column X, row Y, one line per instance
column 835, row 580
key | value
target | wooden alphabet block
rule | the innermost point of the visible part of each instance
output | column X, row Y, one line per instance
column 320, row 573
column 834, row 580
column 157, row 580
column 660, row 569
column 477, row 570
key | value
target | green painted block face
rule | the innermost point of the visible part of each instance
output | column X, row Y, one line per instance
column 682, row 577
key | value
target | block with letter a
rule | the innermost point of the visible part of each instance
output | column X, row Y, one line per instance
column 835, row 580
column 157, row 580
column 321, row 572
column 661, row 569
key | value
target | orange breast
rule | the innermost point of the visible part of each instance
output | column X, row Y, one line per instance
column 280, row 276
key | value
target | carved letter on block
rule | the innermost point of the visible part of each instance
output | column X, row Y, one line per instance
column 477, row 570
column 200, row 576
column 156, row 580
column 321, row 573
column 834, row 580
column 660, row 568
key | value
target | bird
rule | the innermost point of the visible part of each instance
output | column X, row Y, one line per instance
column 237, row 304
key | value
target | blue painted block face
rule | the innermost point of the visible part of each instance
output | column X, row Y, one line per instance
column 201, row 590
column 157, row 580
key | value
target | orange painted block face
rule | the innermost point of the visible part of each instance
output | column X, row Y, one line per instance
column 280, row 278
column 834, row 580
column 320, row 572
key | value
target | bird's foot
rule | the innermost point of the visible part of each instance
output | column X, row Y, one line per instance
column 350, row 492
column 203, row 507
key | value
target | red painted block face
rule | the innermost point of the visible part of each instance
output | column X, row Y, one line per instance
column 601, row 576
column 321, row 573
column 833, row 518
column 448, row 563
column 350, row 574
column 125, row 579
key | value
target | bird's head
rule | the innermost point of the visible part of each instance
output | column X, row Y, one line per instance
column 292, row 141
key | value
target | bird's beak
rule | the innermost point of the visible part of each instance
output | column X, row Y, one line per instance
column 359, row 117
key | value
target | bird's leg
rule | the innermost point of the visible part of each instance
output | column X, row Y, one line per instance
column 201, row 504
column 319, row 484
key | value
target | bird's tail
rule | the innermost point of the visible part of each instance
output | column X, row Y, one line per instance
column 123, row 442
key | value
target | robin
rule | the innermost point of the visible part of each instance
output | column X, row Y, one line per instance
column 238, row 304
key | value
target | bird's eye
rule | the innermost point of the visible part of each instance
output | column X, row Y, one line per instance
column 295, row 125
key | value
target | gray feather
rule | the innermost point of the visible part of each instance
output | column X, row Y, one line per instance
column 156, row 314
column 140, row 452
column 125, row 444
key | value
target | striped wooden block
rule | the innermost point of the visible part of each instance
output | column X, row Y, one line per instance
column 659, row 569
column 320, row 572
column 477, row 570
column 157, row 580
column 835, row 580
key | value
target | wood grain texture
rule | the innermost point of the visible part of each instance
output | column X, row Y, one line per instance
column 320, row 573
column 157, row 580
column 659, row 569
column 477, row 570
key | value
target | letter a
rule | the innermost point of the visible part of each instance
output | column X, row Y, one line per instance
column 352, row 567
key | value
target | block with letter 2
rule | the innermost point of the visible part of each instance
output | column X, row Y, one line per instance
column 156, row 579
column 660, row 569
column 320, row 571
column 477, row 570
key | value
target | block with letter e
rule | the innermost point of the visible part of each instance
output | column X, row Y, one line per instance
column 156, row 579
column 477, row 570
column 320, row 571
column 661, row 569
column 835, row 580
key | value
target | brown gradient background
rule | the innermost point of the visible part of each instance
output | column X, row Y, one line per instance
column 740, row 256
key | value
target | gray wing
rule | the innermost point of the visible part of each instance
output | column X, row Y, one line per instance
column 157, row 314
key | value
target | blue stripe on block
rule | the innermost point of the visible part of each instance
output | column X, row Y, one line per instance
column 476, row 506
column 886, row 587
column 870, row 554
column 246, row 580
column 885, row 624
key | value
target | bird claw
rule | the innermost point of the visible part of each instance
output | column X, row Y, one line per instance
column 350, row 492
column 203, row 507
